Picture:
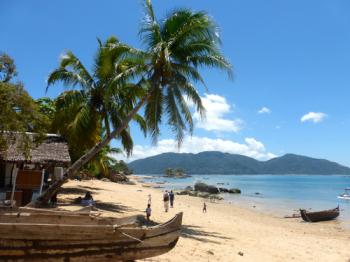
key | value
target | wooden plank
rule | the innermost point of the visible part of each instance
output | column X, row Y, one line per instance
column 165, row 241
column 70, row 218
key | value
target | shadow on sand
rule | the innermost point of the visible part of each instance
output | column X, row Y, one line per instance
column 72, row 191
column 196, row 233
column 113, row 207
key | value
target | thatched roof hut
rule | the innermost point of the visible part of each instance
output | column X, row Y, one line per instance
column 31, row 148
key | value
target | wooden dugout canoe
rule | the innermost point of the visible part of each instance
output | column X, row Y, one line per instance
column 76, row 237
column 319, row 215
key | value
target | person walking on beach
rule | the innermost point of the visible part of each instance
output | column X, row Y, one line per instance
column 166, row 200
column 148, row 211
column 171, row 197
column 204, row 207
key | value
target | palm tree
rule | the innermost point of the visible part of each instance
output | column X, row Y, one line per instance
column 103, row 162
column 103, row 99
column 176, row 48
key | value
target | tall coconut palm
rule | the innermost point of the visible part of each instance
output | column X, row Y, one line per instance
column 176, row 48
column 102, row 100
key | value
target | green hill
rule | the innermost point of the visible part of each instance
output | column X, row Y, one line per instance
column 213, row 162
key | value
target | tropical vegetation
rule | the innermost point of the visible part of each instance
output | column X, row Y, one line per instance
column 18, row 110
column 158, row 81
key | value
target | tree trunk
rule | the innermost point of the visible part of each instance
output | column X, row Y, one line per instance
column 43, row 199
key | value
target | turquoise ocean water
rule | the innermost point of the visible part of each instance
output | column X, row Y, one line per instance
column 278, row 194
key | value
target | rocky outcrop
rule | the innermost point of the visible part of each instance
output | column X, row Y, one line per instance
column 189, row 188
column 207, row 191
column 202, row 187
column 234, row 191
column 120, row 178
column 199, row 194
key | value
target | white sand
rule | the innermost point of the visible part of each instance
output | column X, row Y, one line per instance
column 225, row 230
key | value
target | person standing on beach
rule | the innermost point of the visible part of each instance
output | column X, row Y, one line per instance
column 171, row 197
column 204, row 207
column 149, row 199
column 148, row 211
column 166, row 200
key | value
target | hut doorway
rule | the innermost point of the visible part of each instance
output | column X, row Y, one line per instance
column 2, row 174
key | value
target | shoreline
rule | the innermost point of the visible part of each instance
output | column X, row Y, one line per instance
column 264, row 199
column 227, row 232
column 253, row 203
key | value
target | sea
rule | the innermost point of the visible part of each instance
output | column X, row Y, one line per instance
column 281, row 195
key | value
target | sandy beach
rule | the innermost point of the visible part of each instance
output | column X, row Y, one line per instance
column 225, row 233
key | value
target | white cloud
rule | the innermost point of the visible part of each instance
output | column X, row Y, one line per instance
column 264, row 110
column 251, row 147
column 216, row 107
column 315, row 117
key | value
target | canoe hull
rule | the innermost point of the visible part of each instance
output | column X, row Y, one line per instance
column 320, row 215
column 91, row 243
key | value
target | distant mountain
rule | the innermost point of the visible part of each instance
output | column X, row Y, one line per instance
column 212, row 162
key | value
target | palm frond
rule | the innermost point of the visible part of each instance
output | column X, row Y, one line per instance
column 184, row 108
column 150, row 30
column 142, row 123
column 71, row 72
column 127, row 142
column 213, row 61
column 153, row 113
column 174, row 117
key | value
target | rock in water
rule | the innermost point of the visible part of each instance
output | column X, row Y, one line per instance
column 234, row 191
column 202, row 187
column 189, row 188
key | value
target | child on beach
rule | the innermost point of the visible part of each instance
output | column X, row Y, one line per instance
column 148, row 211
column 204, row 207
column 149, row 199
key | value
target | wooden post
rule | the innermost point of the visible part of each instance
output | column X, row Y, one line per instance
column 14, row 177
column 42, row 181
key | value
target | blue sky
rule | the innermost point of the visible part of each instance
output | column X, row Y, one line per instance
column 292, row 57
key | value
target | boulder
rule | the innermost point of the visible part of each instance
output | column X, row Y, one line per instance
column 189, row 188
column 215, row 197
column 202, row 187
column 193, row 193
column 223, row 190
column 234, row 191
column 118, row 178
column 183, row 192
column 203, row 194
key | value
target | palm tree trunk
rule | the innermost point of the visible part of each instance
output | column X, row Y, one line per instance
column 43, row 199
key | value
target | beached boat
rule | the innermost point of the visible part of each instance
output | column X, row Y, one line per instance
column 65, row 236
column 319, row 215
column 346, row 194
